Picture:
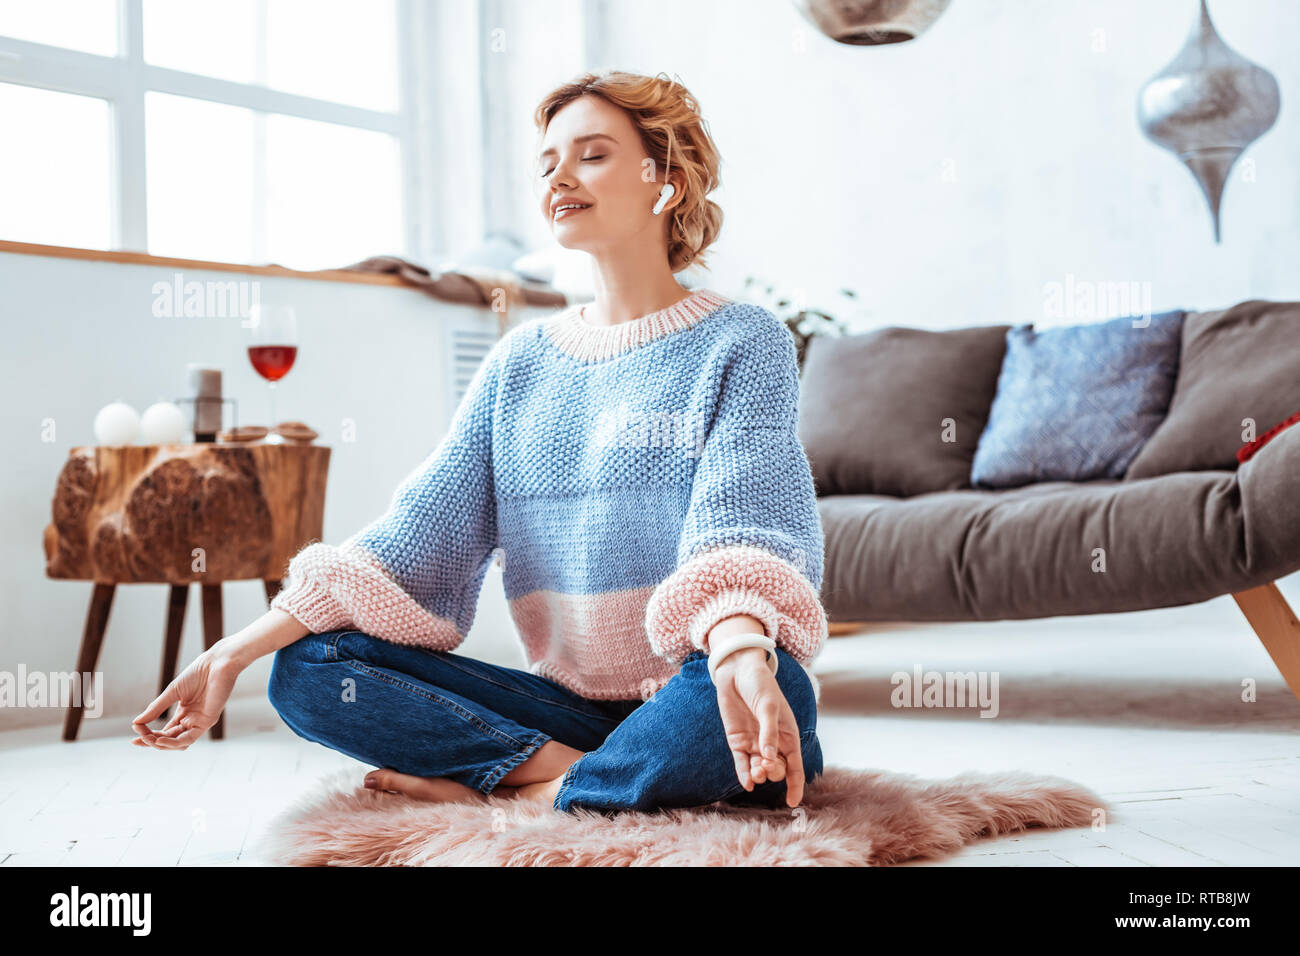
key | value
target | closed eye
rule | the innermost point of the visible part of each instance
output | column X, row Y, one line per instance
column 588, row 159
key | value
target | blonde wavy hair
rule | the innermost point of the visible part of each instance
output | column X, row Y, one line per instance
column 672, row 131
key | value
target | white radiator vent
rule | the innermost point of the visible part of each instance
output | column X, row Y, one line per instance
column 468, row 342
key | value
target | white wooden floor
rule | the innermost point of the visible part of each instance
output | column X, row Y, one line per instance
column 1143, row 708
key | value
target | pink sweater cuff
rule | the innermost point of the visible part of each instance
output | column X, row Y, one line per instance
column 726, row 604
column 331, row 588
column 736, row 579
column 314, row 607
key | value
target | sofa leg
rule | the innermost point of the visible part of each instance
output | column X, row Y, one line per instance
column 1276, row 625
column 836, row 628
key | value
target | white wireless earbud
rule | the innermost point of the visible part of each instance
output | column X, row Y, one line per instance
column 665, row 194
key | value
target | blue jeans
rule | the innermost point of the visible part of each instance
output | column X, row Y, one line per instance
column 441, row 714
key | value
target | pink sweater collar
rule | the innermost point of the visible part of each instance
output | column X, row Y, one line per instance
column 573, row 335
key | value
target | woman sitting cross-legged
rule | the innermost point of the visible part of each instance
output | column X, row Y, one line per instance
column 634, row 465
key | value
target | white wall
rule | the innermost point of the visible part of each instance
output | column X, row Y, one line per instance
column 81, row 334
column 834, row 156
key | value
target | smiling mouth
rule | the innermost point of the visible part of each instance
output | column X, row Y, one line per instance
column 565, row 213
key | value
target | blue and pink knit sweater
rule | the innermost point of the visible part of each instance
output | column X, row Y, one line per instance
column 639, row 483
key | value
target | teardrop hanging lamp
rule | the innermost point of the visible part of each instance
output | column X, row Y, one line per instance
column 1207, row 106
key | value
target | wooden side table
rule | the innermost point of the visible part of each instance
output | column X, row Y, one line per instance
column 202, row 513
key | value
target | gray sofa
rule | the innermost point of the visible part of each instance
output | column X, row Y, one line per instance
column 909, row 539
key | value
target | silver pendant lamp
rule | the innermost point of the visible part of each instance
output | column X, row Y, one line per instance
column 1207, row 106
column 871, row 22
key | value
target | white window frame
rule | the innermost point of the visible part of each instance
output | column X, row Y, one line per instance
column 124, row 79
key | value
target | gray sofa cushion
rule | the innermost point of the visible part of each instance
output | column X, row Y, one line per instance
column 872, row 408
column 1028, row 552
column 1237, row 363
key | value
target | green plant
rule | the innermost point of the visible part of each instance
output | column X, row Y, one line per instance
column 802, row 321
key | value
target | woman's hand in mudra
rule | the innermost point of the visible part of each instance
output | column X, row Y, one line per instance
column 760, row 726
column 200, row 693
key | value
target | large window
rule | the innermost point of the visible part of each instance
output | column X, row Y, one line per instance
column 236, row 130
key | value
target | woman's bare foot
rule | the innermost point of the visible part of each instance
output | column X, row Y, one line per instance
column 549, row 761
column 543, row 790
column 553, row 760
column 433, row 789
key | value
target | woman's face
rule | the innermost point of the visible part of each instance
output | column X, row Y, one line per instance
column 591, row 153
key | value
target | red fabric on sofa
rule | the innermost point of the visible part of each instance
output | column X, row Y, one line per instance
column 1248, row 449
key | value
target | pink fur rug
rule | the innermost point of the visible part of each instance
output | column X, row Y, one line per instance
column 848, row 818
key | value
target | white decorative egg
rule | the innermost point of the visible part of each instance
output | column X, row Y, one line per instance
column 116, row 424
column 162, row 423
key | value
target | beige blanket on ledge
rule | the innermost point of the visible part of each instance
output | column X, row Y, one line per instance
column 501, row 291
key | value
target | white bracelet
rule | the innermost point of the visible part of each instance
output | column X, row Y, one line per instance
column 721, row 647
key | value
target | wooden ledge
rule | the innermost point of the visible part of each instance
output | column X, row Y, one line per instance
column 144, row 259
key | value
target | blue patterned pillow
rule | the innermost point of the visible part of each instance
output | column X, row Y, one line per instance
column 1077, row 402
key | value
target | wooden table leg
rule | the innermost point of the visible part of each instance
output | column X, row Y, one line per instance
column 92, row 638
column 1276, row 627
column 213, row 630
column 272, row 589
column 176, row 603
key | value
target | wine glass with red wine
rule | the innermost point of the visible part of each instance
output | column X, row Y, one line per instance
column 273, row 348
